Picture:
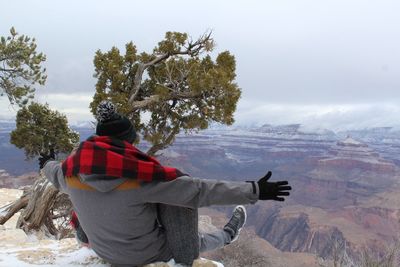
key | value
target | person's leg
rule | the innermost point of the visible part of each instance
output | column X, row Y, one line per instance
column 229, row 234
column 181, row 228
column 214, row 240
column 183, row 238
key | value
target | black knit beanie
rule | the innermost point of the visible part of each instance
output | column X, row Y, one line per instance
column 110, row 123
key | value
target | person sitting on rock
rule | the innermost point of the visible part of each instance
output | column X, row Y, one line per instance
column 134, row 211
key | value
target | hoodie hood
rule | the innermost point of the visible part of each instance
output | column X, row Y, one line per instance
column 100, row 182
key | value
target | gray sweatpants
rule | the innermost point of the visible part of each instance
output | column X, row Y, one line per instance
column 183, row 237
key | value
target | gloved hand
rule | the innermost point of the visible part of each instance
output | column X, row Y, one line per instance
column 44, row 158
column 273, row 190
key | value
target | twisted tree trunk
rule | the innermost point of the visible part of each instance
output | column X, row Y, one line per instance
column 41, row 204
column 42, row 198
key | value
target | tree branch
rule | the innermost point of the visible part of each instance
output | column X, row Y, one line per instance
column 63, row 214
column 165, row 144
column 14, row 207
column 139, row 74
column 199, row 44
column 192, row 49
column 8, row 70
column 136, row 105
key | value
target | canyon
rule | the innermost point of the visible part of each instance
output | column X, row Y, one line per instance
column 345, row 184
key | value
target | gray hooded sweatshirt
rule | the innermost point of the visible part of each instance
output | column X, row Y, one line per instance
column 119, row 216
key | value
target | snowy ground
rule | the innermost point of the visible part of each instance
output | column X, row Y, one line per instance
column 19, row 250
column 46, row 253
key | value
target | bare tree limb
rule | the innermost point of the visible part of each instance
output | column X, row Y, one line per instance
column 139, row 74
column 136, row 105
column 192, row 49
column 61, row 215
column 14, row 208
column 8, row 70
column 50, row 226
column 164, row 144
column 169, row 74
column 166, row 87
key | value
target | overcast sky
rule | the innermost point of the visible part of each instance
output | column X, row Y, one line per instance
column 329, row 64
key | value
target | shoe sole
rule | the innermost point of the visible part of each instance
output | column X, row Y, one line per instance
column 245, row 219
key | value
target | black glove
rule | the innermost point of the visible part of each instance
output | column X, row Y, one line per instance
column 44, row 158
column 273, row 190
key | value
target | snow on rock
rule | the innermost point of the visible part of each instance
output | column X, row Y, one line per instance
column 3, row 173
column 7, row 196
column 11, row 237
column 170, row 153
column 15, row 251
column 206, row 263
column 66, row 252
column 19, row 250
column 351, row 142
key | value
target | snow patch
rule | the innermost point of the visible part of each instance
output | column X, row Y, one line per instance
column 351, row 141
column 169, row 153
column 48, row 253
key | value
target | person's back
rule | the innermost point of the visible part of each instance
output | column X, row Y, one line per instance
column 120, row 215
column 121, row 228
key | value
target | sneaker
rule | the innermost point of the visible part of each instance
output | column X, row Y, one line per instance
column 236, row 222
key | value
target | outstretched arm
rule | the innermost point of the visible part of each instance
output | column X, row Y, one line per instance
column 194, row 192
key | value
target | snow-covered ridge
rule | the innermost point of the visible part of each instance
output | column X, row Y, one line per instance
column 351, row 142
column 243, row 144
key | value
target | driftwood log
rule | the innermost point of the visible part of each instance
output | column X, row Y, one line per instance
column 43, row 208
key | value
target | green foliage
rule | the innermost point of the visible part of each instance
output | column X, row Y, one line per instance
column 40, row 129
column 20, row 67
column 182, row 87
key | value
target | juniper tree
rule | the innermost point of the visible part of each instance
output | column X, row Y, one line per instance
column 40, row 130
column 178, row 85
column 20, row 67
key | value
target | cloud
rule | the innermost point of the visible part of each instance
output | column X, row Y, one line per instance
column 326, row 63
column 74, row 105
column 66, row 99
column 334, row 117
column 7, row 111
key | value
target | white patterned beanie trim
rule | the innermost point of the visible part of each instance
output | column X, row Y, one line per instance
column 106, row 111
